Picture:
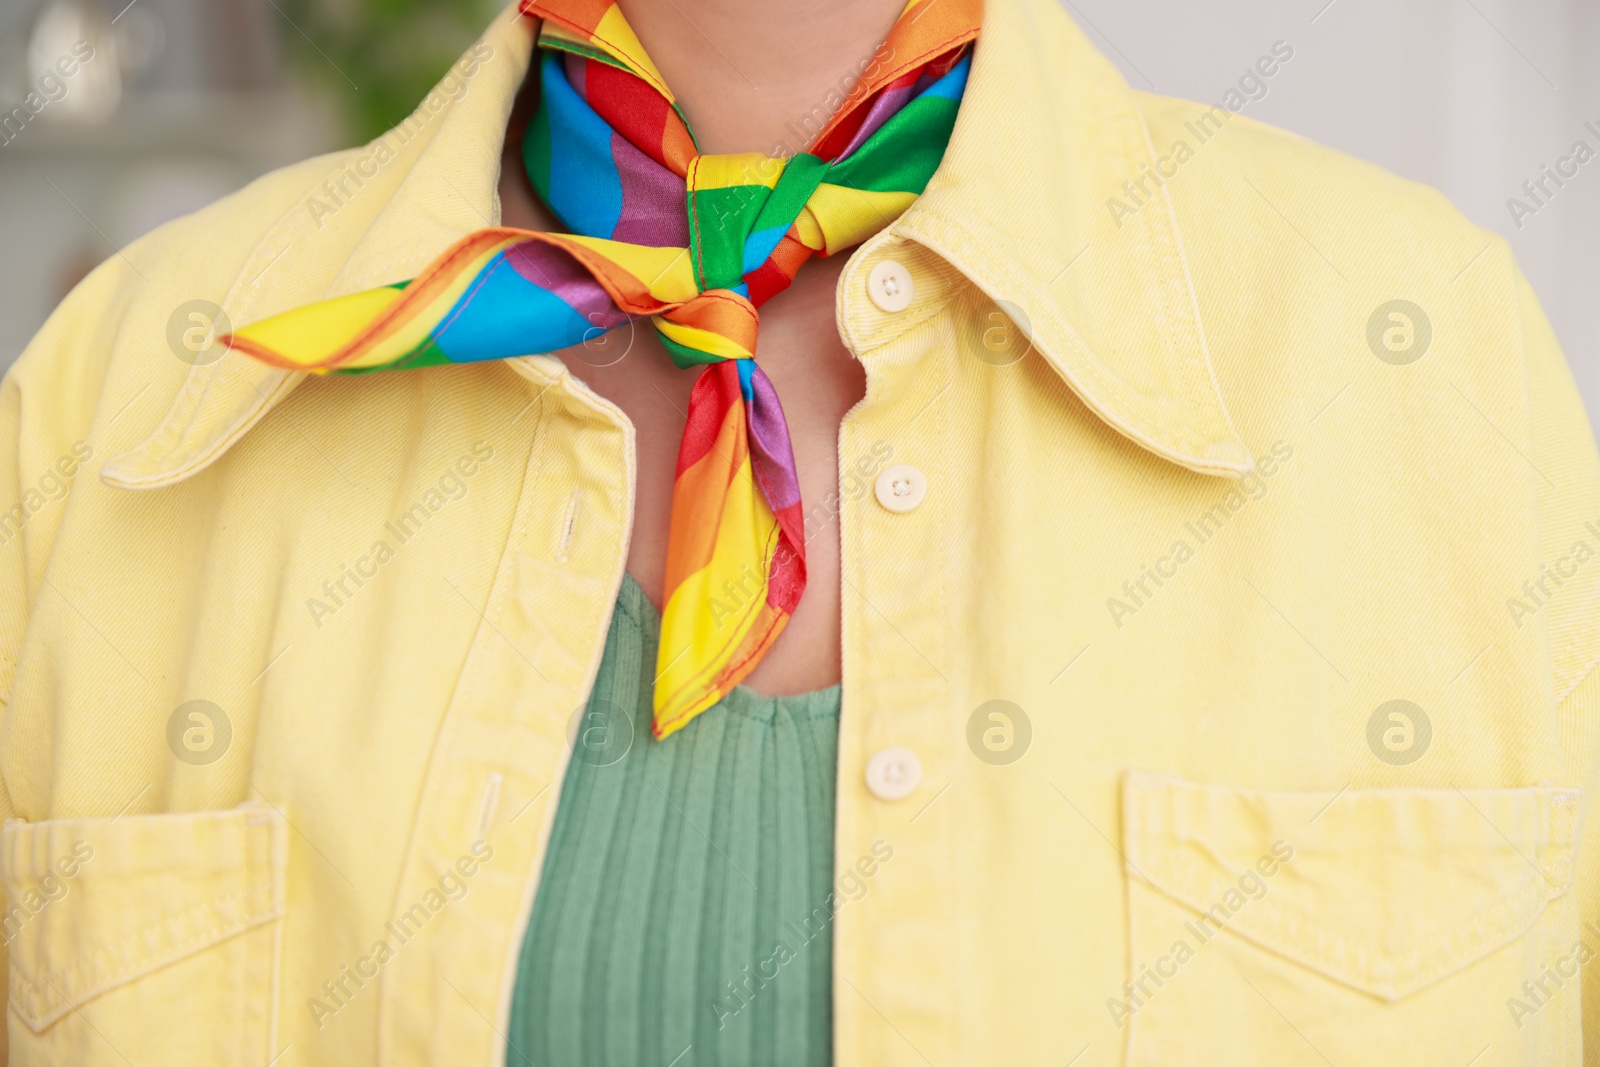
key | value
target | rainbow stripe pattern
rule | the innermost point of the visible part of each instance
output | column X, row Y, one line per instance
column 696, row 244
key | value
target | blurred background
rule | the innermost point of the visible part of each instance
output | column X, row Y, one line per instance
column 187, row 100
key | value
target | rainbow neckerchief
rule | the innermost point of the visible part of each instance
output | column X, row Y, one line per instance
column 696, row 243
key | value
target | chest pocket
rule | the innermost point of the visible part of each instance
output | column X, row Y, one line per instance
column 1375, row 926
column 144, row 939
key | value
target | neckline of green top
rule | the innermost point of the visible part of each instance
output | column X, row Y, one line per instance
column 821, row 703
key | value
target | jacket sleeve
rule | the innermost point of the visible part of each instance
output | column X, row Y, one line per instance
column 1565, row 471
column 14, row 599
column 48, row 402
column 13, row 610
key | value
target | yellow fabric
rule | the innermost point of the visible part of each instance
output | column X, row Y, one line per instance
column 397, row 590
column 701, row 340
column 670, row 271
column 182, row 906
column 329, row 328
column 850, row 213
column 733, row 170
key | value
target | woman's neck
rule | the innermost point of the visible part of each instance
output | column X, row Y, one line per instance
column 760, row 75
column 752, row 76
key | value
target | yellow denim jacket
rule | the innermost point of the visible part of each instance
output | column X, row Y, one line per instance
column 1228, row 697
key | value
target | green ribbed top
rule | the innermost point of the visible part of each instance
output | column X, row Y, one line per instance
column 679, row 916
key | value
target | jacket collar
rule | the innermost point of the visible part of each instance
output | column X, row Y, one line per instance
column 1047, row 133
column 377, row 214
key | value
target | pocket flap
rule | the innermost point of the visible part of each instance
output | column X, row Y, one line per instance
column 1386, row 890
column 94, row 903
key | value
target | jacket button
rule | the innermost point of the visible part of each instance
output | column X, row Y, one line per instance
column 890, row 286
column 901, row 487
column 893, row 773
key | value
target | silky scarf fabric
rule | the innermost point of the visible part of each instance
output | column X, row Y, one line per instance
column 696, row 243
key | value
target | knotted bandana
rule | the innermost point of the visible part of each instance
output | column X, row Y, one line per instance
column 696, row 243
